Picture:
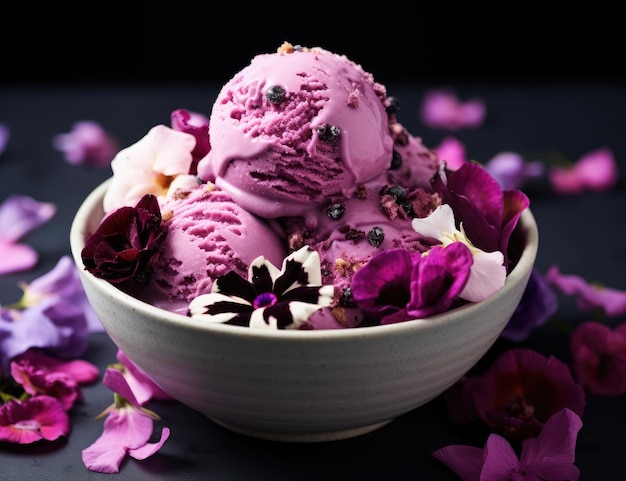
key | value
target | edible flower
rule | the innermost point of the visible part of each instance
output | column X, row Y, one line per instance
column 20, row 215
column 549, row 456
column 196, row 124
column 33, row 419
column 127, row 429
column 512, row 171
column 139, row 382
column 487, row 272
column 595, row 171
column 270, row 298
column 589, row 297
column 442, row 109
column 125, row 243
column 538, row 303
column 157, row 163
column 521, row 390
column 599, row 357
column 87, row 143
column 53, row 314
column 4, row 137
column 397, row 285
column 488, row 213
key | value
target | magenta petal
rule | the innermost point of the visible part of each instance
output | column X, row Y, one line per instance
column 104, row 456
column 40, row 417
column 140, row 384
column 149, row 449
column 500, row 460
column 114, row 379
column 465, row 461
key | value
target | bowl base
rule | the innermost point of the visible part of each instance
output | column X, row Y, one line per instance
column 301, row 437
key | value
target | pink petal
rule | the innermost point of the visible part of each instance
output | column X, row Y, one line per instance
column 500, row 461
column 441, row 108
column 81, row 371
column 16, row 257
column 140, row 384
column 104, row 456
column 149, row 449
column 465, row 461
column 596, row 171
column 114, row 379
column 40, row 417
column 452, row 151
column 4, row 137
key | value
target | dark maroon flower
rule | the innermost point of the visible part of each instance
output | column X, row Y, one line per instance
column 521, row 390
column 124, row 245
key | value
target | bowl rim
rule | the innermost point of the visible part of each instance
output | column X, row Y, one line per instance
column 94, row 200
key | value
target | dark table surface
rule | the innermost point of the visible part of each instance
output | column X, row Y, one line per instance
column 582, row 234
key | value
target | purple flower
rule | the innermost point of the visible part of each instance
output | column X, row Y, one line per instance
column 47, row 316
column 19, row 215
column 539, row 302
column 441, row 108
column 550, row 456
column 397, row 285
column 588, row 296
column 126, row 431
column 197, row 125
column 521, row 390
column 512, row 171
column 599, row 357
column 86, row 144
column 125, row 243
column 487, row 213
column 271, row 298
column 33, row 419
column 4, row 137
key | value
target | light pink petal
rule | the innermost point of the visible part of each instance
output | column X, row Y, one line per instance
column 487, row 275
column 86, row 144
column 441, row 108
column 149, row 449
column 16, row 257
column 596, row 171
column 21, row 214
column 105, row 455
column 452, row 151
column 140, row 384
column 465, row 461
column 172, row 150
column 472, row 113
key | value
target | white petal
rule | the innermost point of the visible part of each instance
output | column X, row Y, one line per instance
column 258, row 322
column 487, row 275
column 198, row 307
column 262, row 261
column 437, row 224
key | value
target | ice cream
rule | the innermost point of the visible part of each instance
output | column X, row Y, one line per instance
column 294, row 128
column 208, row 235
column 303, row 149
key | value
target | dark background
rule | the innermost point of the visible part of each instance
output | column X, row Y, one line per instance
column 415, row 42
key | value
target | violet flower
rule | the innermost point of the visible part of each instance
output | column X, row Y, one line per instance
column 196, row 124
column 442, row 109
column 521, row 390
column 599, row 357
column 487, row 213
column 33, row 419
column 596, row 171
column 158, row 163
column 53, row 314
column 538, row 303
column 270, row 298
column 549, row 456
column 588, row 296
column 124, row 244
column 86, row 144
column 487, row 271
column 19, row 215
column 512, row 171
column 4, row 137
column 127, row 429
column 397, row 285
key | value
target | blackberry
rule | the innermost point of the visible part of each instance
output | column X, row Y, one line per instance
column 376, row 236
column 275, row 94
column 328, row 133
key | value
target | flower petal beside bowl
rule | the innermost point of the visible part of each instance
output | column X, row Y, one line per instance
column 301, row 386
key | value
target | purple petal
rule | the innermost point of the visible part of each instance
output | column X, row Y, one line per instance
column 114, row 379
column 4, row 137
column 140, row 384
column 21, row 214
column 500, row 461
column 465, row 461
column 16, row 257
column 86, row 144
column 148, row 449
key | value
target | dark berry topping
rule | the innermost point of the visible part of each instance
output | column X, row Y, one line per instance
column 393, row 105
column 346, row 299
column 335, row 211
column 328, row 133
column 275, row 94
column 396, row 160
column 397, row 191
column 376, row 236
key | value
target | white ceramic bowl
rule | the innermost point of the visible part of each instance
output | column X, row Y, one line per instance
column 301, row 386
